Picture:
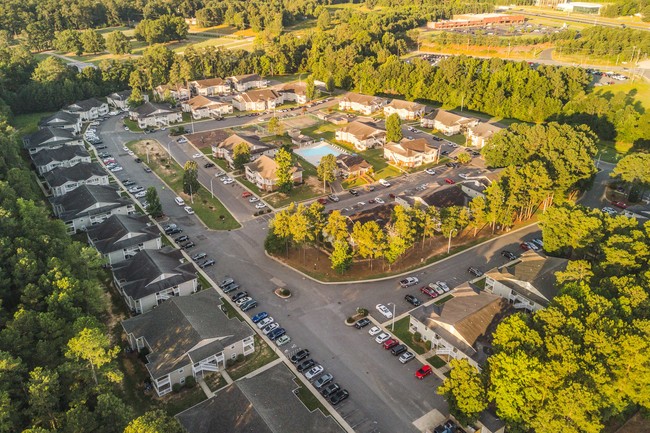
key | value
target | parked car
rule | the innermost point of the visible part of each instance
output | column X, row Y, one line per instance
column 135, row 189
column 276, row 333
column 374, row 330
column 188, row 245
column 226, row 282
column 429, row 291
column 609, row 210
column 260, row 205
column 436, row 288
column 443, row 286
column 259, row 317
column 299, row 356
column 430, row 171
column 139, row 194
column 208, row 165
column 379, row 200
column 620, row 204
column 282, row 340
column 409, row 281
column 413, row 300
column 406, row 357
column 206, row 263
column 246, row 194
column 354, row 192
column 339, row 396
column 128, row 182
column 175, row 231
column 538, row 242
column 239, row 295
column 248, row 305
column 198, row 256
column 362, row 323
column 306, row 365
column 472, row 270
column 313, row 372
column 230, row 288
column 265, row 321
column 384, row 182
column 382, row 337
column 330, row 389
column 423, row 372
column 398, row 350
column 169, row 227
column 508, row 255
column 270, row 327
column 253, row 199
column 333, row 197
column 323, row 380
column 189, row 210
column 390, row 343
column 524, row 246
column 449, row 181
column 243, row 300
column 384, row 311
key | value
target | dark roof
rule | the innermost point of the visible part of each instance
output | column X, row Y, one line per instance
column 447, row 197
column 151, row 271
column 351, row 161
column 65, row 153
column 381, row 214
column 48, row 136
column 198, row 325
column 491, row 421
column 85, row 105
column 59, row 119
column 263, row 403
column 82, row 171
column 207, row 138
column 88, row 200
column 120, row 96
column 152, row 108
column 122, row 231
column 240, row 79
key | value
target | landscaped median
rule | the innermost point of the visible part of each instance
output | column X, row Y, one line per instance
column 210, row 210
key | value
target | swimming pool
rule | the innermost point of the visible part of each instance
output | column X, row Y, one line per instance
column 315, row 153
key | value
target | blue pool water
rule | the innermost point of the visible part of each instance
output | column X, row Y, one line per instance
column 315, row 153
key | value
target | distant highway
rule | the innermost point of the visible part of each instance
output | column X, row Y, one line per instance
column 594, row 22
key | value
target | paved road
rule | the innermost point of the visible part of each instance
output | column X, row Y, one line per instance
column 76, row 63
column 572, row 18
column 385, row 396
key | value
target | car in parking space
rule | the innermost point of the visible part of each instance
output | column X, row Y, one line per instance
column 609, row 210
column 276, row 333
column 265, row 321
column 239, row 295
column 333, row 197
column 116, row 169
column 248, row 305
column 140, row 194
column 430, row 171
column 619, row 204
column 443, row 286
column 538, row 242
column 137, row 160
column 246, row 194
column 135, row 189
column 398, row 350
column 197, row 155
column 384, row 183
column 260, row 205
column 423, row 372
column 354, row 192
column 374, row 330
column 182, row 140
column 524, row 246
column 406, row 357
column 508, row 255
column 146, row 169
column 128, row 182
column 189, row 210
column 413, row 300
column 449, row 181
column 174, row 231
column 299, row 356
column 436, row 288
column 282, row 340
column 103, row 146
column 197, row 256
column 206, row 263
column 429, row 291
column 313, row 372
column 339, row 396
column 384, row 311
column 306, row 365
column 330, row 389
column 243, row 300
column 408, row 282
column 188, row 245
column 390, row 343
column 533, row 246
column 230, row 288
column 169, row 227
column 226, row 282
column 260, row 316
column 183, row 238
column 464, row 175
column 253, row 199
column 228, row 181
column 382, row 337
column 474, row 271
column 323, row 380
column 208, row 165
column 379, row 200
column 362, row 323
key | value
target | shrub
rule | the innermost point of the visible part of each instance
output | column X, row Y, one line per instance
column 350, row 320
column 190, row 381
column 417, row 337
column 239, row 358
column 284, row 292
column 362, row 311
column 177, row 387
column 428, row 345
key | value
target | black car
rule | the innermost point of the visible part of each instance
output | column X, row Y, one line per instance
column 248, row 305
column 362, row 323
column 306, row 365
column 413, row 300
column 330, row 389
column 239, row 295
column 208, row 165
column 339, row 396
column 182, row 239
column 199, row 256
column 188, row 245
column 207, row 263
column 354, row 192
column 174, row 231
column 398, row 350
column 508, row 255
column 299, row 356
column 276, row 333
column 474, row 271
column 138, row 160
column 230, row 288
column 226, row 282
column 103, row 146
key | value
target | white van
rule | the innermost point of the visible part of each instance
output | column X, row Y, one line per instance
column 179, row 201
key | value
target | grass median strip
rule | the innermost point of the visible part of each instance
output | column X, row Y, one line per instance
column 210, row 210
column 402, row 332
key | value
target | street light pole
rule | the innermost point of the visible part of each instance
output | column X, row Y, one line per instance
column 192, row 198
column 392, row 326
column 212, row 193
column 449, row 244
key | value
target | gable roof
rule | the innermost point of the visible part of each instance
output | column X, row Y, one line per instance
column 48, row 136
column 241, row 79
column 267, row 167
column 446, row 197
column 398, row 104
column 254, row 143
column 85, row 105
column 153, row 109
column 363, row 99
column 59, row 119
column 448, row 118
column 120, row 96
column 353, row 162
column 88, row 200
column 201, row 101
column 171, row 87
column 209, row 82
column 198, row 325
column 362, row 131
column 485, row 130
column 410, row 148
column 82, row 171
column 296, row 87
column 258, row 95
column 65, row 153
column 122, row 231
column 207, row 138
column 532, row 274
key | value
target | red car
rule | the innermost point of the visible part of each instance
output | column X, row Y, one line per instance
column 619, row 204
column 428, row 291
column 322, row 201
column 524, row 246
column 246, row 194
column 449, row 181
column 390, row 343
column 423, row 372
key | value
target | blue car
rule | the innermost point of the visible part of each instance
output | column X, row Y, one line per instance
column 276, row 333
column 260, row 316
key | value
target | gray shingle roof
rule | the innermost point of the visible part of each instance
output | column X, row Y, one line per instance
column 88, row 200
column 151, row 271
column 176, row 328
column 152, row 108
column 84, row 105
column 120, row 96
column 122, row 231
column 59, row 119
column 82, row 171
column 48, row 136
column 65, row 153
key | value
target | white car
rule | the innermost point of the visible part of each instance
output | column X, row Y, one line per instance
column 182, row 140
column 116, row 169
column 189, row 210
column 443, row 285
column 361, row 204
column 260, row 205
column 385, row 311
column 313, row 372
column 130, row 152
column 609, row 210
column 126, row 128
column 430, row 171
column 135, row 189
column 283, row 340
column 379, row 200
column 228, row 181
column 197, row 155
column 464, row 176
column 268, row 328
column 406, row 357
column 408, row 282
column 382, row 337
column 266, row 321
column 124, row 148
column 243, row 300
column 253, row 199
column 384, row 182
column 436, row 288
column 140, row 194
column 374, row 330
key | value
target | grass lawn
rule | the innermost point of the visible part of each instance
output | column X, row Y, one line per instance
column 263, row 355
column 443, row 300
column 185, row 399
column 250, row 185
column 402, row 332
column 436, row 361
column 28, row 123
column 133, row 125
column 203, row 281
column 309, row 399
column 458, row 138
column 231, row 311
column 210, row 210
column 297, row 194
column 638, row 90
column 359, row 181
column 611, row 151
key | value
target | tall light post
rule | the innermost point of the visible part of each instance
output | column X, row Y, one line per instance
column 191, row 196
column 392, row 326
column 449, row 244
column 211, row 193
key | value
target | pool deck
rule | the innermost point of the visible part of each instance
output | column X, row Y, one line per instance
column 314, row 153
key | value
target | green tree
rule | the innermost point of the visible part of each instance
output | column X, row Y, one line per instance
column 39, row 35
column 284, row 174
column 68, row 41
column 326, row 169
column 92, row 41
column 241, row 154
column 566, row 228
column 112, row 413
column 310, row 88
column 93, row 346
column 118, row 43
column 274, row 126
column 191, row 183
column 156, row 421
column 635, row 169
column 393, row 128
column 336, row 227
column 369, row 240
column 464, row 158
column 464, row 390
column 51, row 70
column 154, row 207
column 281, row 225
column 324, row 21
column 341, row 257
column 44, row 394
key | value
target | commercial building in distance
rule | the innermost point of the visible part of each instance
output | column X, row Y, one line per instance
column 476, row 20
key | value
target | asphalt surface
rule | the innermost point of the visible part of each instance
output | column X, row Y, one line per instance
column 385, row 395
